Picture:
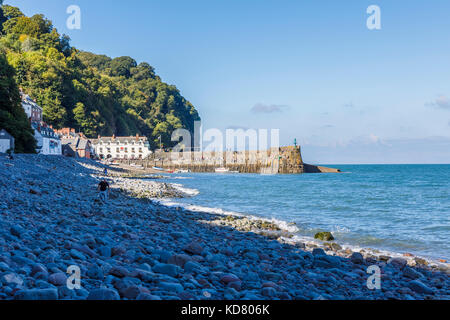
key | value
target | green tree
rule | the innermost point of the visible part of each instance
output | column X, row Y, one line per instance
column 92, row 92
column 10, row 12
column 122, row 66
column 12, row 116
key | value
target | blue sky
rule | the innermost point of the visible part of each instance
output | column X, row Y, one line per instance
column 310, row 68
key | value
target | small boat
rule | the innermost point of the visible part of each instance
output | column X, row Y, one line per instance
column 182, row 171
column 158, row 168
column 222, row 170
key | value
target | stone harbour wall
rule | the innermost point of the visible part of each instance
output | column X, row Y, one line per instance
column 283, row 160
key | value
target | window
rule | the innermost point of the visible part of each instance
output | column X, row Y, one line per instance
column 132, row 150
column 126, row 149
column 140, row 150
column 117, row 150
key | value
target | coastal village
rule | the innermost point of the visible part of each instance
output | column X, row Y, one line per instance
column 68, row 142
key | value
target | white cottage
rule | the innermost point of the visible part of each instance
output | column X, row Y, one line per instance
column 6, row 141
column 31, row 108
column 48, row 142
column 122, row 147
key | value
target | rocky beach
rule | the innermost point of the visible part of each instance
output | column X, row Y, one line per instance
column 132, row 247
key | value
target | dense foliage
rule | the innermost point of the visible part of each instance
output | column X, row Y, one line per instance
column 92, row 93
column 12, row 116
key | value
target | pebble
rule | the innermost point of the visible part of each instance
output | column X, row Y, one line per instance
column 12, row 278
column 193, row 248
column 179, row 259
column 103, row 294
column 58, row 279
column 95, row 272
column 411, row 273
column 268, row 292
column 419, row 287
column 171, row 287
column 146, row 296
column 357, row 258
column 191, row 266
column 118, row 271
column 398, row 262
column 168, row 269
column 17, row 231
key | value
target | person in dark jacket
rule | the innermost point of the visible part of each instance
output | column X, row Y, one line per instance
column 103, row 187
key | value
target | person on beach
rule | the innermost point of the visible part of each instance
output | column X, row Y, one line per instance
column 105, row 172
column 9, row 153
column 103, row 187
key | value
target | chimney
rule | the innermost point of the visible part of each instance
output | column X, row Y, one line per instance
column 137, row 136
column 72, row 130
column 114, row 136
column 99, row 136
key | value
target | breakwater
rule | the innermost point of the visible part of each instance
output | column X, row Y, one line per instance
column 283, row 160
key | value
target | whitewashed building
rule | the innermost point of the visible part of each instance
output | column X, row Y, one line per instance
column 6, row 141
column 31, row 108
column 48, row 142
column 122, row 147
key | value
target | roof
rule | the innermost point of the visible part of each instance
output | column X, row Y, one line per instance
column 83, row 144
column 120, row 139
column 68, row 141
column 76, row 143
column 46, row 132
column 65, row 145
column 27, row 100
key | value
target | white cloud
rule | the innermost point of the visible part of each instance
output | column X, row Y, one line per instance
column 272, row 108
column 374, row 138
column 441, row 102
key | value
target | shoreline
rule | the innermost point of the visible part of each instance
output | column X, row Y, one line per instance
column 289, row 229
column 134, row 248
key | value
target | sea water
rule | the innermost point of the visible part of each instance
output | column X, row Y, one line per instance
column 395, row 208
